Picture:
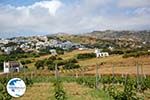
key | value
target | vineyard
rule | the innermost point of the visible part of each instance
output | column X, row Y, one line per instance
column 72, row 88
column 78, row 75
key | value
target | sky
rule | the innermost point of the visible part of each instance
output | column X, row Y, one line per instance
column 33, row 17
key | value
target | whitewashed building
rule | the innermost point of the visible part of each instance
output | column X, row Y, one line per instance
column 101, row 54
column 12, row 66
column 8, row 50
column 53, row 52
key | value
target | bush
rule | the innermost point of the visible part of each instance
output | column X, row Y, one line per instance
column 40, row 64
column 136, row 54
column 71, row 66
column 51, row 66
column 86, row 56
column 60, row 62
column 23, row 62
column 59, row 50
column 117, row 52
column 59, row 92
column 52, row 58
column 73, row 60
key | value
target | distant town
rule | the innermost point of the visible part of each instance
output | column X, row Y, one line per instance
column 35, row 44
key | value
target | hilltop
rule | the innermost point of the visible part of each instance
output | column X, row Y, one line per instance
column 131, row 35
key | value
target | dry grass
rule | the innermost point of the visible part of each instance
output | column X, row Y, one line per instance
column 75, row 91
column 120, row 70
column 115, row 59
column 74, row 53
column 39, row 91
column 121, row 65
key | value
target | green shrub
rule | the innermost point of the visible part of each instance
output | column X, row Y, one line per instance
column 71, row 66
column 136, row 54
column 51, row 66
column 59, row 92
column 25, row 62
column 40, row 64
column 86, row 55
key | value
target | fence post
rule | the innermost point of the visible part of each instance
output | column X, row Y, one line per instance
column 113, row 73
column 56, row 71
column 97, row 76
column 142, row 71
column 138, row 78
column 76, row 74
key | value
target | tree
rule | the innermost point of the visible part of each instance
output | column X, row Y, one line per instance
column 71, row 66
column 39, row 64
column 51, row 66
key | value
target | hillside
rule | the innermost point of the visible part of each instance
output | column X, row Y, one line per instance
column 116, row 39
column 132, row 35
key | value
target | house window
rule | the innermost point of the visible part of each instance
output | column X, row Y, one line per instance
column 6, row 66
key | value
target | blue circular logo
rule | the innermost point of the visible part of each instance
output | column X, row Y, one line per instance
column 16, row 87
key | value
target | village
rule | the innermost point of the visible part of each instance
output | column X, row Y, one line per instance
column 34, row 44
column 38, row 44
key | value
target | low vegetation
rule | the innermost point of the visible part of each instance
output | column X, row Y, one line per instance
column 59, row 91
column 136, row 54
column 86, row 56
column 53, row 61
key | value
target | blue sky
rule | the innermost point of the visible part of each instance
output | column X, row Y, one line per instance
column 18, row 2
column 30, row 2
column 72, row 16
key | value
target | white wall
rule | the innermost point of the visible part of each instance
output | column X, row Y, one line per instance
column 6, row 69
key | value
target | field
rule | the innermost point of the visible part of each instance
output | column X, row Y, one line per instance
column 39, row 91
column 71, row 88
column 119, row 64
column 45, row 91
column 113, row 64
column 75, row 91
column 116, row 79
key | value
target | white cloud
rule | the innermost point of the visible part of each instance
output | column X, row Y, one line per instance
column 142, row 11
column 133, row 3
column 55, row 16
column 52, row 6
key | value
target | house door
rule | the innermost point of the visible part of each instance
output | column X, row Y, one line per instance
column 17, row 70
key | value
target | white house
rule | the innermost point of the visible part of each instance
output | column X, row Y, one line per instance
column 101, row 54
column 8, row 50
column 12, row 66
column 53, row 52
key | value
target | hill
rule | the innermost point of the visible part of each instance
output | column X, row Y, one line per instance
column 130, row 35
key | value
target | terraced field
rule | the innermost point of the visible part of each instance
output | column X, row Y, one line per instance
column 88, row 66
